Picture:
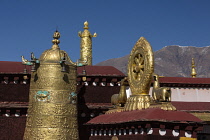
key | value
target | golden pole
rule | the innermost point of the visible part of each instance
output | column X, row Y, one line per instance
column 86, row 45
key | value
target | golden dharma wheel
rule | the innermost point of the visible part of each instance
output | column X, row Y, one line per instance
column 140, row 67
column 140, row 70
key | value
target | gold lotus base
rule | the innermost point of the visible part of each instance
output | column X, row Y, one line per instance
column 137, row 102
column 115, row 110
column 163, row 105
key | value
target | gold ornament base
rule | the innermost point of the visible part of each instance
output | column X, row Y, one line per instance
column 163, row 106
column 115, row 110
column 137, row 102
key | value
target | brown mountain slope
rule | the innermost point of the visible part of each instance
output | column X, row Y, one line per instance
column 173, row 61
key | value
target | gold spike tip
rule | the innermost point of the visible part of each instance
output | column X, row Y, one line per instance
column 95, row 35
column 86, row 25
column 193, row 62
column 56, row 36
column 193, row 73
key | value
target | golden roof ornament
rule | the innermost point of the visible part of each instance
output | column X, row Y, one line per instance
column 161, row 95
column 140, row 70
column 118, row 100
column 52, row 112
column 193, row 73
column 56, row 36
column 54, row 54
column 55, row 41
column 86, row 45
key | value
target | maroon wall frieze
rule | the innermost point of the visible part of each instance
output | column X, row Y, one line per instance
column 144, row 129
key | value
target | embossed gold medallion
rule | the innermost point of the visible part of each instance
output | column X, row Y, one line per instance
column 140, row 69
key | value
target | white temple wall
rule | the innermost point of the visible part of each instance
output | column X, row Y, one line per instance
column 191, row 94
column 185, row 94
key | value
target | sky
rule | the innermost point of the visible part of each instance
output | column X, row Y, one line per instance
column 28, row 25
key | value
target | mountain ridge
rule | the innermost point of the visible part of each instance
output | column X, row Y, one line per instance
column 172, row 61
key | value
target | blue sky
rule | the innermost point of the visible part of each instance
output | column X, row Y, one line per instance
column 28, row 25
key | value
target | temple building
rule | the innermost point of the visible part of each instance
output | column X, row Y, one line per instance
column 92, row 101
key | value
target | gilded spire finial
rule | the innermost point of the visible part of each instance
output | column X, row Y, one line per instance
column 86, row 45
column 55, row 41
column 56, row 36
column 86, row 25
column 193, row 74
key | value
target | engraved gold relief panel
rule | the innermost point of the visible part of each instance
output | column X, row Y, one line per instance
column 52, row 83
column 47, row 79
column 52, row 121
column 49, row 70
column 66, row 81
column 50, row 134
column 86, row 42
column 52, row 109
column 86, row 51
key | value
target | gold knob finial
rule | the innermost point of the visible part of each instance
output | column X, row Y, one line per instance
column 56, row 36
column 86, row 25
column 193, row 74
